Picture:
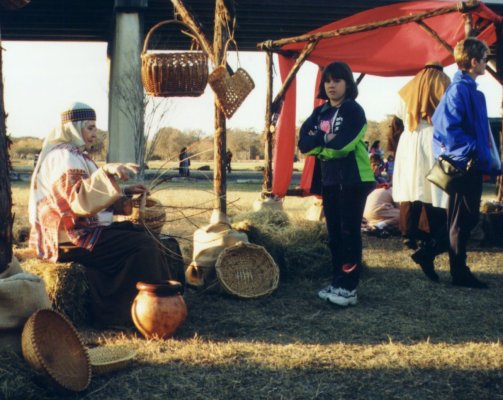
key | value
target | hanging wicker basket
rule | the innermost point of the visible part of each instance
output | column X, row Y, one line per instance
column 175, row 74
column 230, row 90
column 14, row 4
column 247, row 270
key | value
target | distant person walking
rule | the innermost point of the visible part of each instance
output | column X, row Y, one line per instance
column 228, row 160
column 184, row 163
column 334, row 134
column 461, row 132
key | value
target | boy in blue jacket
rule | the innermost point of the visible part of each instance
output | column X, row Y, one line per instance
column 461, row 132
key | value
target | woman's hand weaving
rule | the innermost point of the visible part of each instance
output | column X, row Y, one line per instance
column 121, row 171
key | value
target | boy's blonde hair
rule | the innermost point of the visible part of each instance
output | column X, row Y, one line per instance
column 467, row 49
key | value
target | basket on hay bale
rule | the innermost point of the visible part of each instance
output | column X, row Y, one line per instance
column 105, row 359
column 173, row 74
column 50, row 344
column 14, row 4
column 247, row 270
column 148, row 212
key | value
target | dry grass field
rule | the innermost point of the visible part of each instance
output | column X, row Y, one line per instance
column 407, row 338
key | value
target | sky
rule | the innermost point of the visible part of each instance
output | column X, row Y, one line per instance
column 42, row 78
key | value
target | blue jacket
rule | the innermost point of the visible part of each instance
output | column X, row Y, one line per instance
column 460, row 124
column 344, row 158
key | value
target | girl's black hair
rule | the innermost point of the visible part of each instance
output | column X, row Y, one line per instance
column 338, row 70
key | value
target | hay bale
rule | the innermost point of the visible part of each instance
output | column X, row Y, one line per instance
column 299, row 248
column 66, row 285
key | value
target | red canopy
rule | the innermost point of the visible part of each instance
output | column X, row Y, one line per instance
column 401, row 49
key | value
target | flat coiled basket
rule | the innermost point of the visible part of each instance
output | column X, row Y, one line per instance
column 173, row 74
column 247, row 270
column 106, row 359
column 50, row 344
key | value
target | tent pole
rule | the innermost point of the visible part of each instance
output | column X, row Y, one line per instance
column 499, row 68
column 274, row 107
column 465, row 7
column 291, row 75
column 267, row 178
column 446, row 45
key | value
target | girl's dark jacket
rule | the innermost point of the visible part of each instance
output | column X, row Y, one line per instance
column 342, row 160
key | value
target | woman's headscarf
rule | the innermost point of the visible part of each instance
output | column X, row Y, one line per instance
column 69, row 132
column 423, row 93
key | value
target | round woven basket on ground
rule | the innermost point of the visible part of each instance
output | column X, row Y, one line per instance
column 153, row 216
column 247, row 270
column 107, row 359
column 50, row 344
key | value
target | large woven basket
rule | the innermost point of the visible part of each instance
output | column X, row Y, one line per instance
column 230, row 90
column 50, row 344
column 13, row 4
column 152, row 216
column 106, row 359
column 174, row 74
column 247, row 270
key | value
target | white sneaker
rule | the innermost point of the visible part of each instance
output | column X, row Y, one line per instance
column 342, row 297
column 326, row 292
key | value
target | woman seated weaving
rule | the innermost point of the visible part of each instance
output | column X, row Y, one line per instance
column 71, row 206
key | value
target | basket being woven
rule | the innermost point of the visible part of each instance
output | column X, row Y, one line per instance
column 247, row 270
column 51, row 344
column 173, row 74
column 105, row 359
column 153, row 216
column 230, row 90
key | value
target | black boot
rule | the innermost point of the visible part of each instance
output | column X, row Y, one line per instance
column 410, row 243
column 467, row 279
column 424, row 257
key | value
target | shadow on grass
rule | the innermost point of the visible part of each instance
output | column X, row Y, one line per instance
column 397, row 304
column 242, row 379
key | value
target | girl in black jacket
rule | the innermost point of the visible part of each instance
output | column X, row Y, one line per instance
column 334, row 133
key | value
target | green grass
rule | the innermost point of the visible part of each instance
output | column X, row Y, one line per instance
column 407, row 338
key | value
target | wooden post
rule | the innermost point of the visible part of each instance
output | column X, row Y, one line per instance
column 267, row 179
column 215, row 53
column 189, row 20
column 219, row 174
column 6, row 219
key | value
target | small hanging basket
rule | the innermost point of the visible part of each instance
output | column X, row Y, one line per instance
column 178, row 74
column 14, row 4
column 231, row 88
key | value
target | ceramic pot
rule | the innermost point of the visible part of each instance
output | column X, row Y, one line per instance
column 158, row 309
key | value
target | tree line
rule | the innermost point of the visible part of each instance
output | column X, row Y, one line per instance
column 245, row 144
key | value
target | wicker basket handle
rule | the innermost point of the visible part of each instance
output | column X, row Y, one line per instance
column 167, row 22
